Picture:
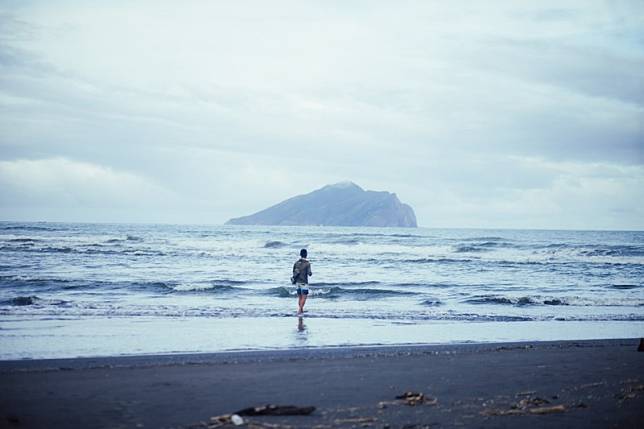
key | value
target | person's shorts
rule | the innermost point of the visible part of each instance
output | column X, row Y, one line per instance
column 302, row 289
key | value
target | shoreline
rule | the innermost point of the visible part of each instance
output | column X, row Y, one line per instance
column 266, row 355
column 590, row 383
column 55, row 338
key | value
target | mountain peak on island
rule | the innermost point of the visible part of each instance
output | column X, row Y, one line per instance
column 343, row 185
column 339, row 204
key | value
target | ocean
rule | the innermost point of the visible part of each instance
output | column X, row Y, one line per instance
column 73, row 289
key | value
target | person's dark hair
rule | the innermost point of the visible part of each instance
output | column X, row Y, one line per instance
column 303, row 253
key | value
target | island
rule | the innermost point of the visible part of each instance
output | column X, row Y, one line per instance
column 341, row 204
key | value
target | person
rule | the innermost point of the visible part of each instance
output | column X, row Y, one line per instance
column 301, row 273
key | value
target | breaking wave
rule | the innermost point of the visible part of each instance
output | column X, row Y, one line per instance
column 339, row 292
column 24, row 240
column 128, row 237
column 35, row 306
column 624, row 286
column 436, row 261
column 614, row 251
column 569, row 301
column 52, row 285
column 86, row 249
column 432, row 302
column 21, row 301
column 28, row 228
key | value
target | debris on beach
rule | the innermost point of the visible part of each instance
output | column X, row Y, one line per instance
column 222, row 420
column 263, row 425
column 596, row 384
column 412, row 399
column 355, row 420
column 276, row 410
column 629, row 392
column 531, row 402
column 501, row 412
column 527, row 405
column 236, row 420
column 225, row 420
column 548, row 410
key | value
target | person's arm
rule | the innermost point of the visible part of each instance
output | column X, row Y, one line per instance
column 309, row 272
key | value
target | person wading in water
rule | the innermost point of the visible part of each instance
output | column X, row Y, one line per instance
column 301, row 273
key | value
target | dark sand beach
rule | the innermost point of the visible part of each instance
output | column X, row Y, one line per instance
column 579, row 384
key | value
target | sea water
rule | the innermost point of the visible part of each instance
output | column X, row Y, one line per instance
column 71, row 289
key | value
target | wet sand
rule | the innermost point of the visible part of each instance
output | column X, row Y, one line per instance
column 574, row 384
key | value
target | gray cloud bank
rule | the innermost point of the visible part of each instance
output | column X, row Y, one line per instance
column 498, row 114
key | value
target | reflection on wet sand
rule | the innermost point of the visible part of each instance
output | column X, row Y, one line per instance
column 302, row 334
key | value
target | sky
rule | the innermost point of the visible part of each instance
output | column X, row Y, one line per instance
column 498, row 114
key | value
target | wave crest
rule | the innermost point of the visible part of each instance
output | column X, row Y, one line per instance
column 335, row 292
column 274, row 244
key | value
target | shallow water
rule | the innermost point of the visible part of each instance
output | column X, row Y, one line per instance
column 55, row 276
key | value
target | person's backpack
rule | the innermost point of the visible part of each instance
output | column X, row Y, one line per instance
column 296, row 272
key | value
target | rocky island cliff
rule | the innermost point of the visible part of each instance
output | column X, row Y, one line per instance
column 342, row 204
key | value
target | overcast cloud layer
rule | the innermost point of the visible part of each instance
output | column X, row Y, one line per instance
column 478, row 114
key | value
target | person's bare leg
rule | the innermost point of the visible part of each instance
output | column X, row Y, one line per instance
column 300, row 303
column 303, row 302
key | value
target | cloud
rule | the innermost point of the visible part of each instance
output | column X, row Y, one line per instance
column 231, row 108
column 62, row 184
column 548, row 195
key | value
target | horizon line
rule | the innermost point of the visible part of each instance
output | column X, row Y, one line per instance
column 320, row 226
